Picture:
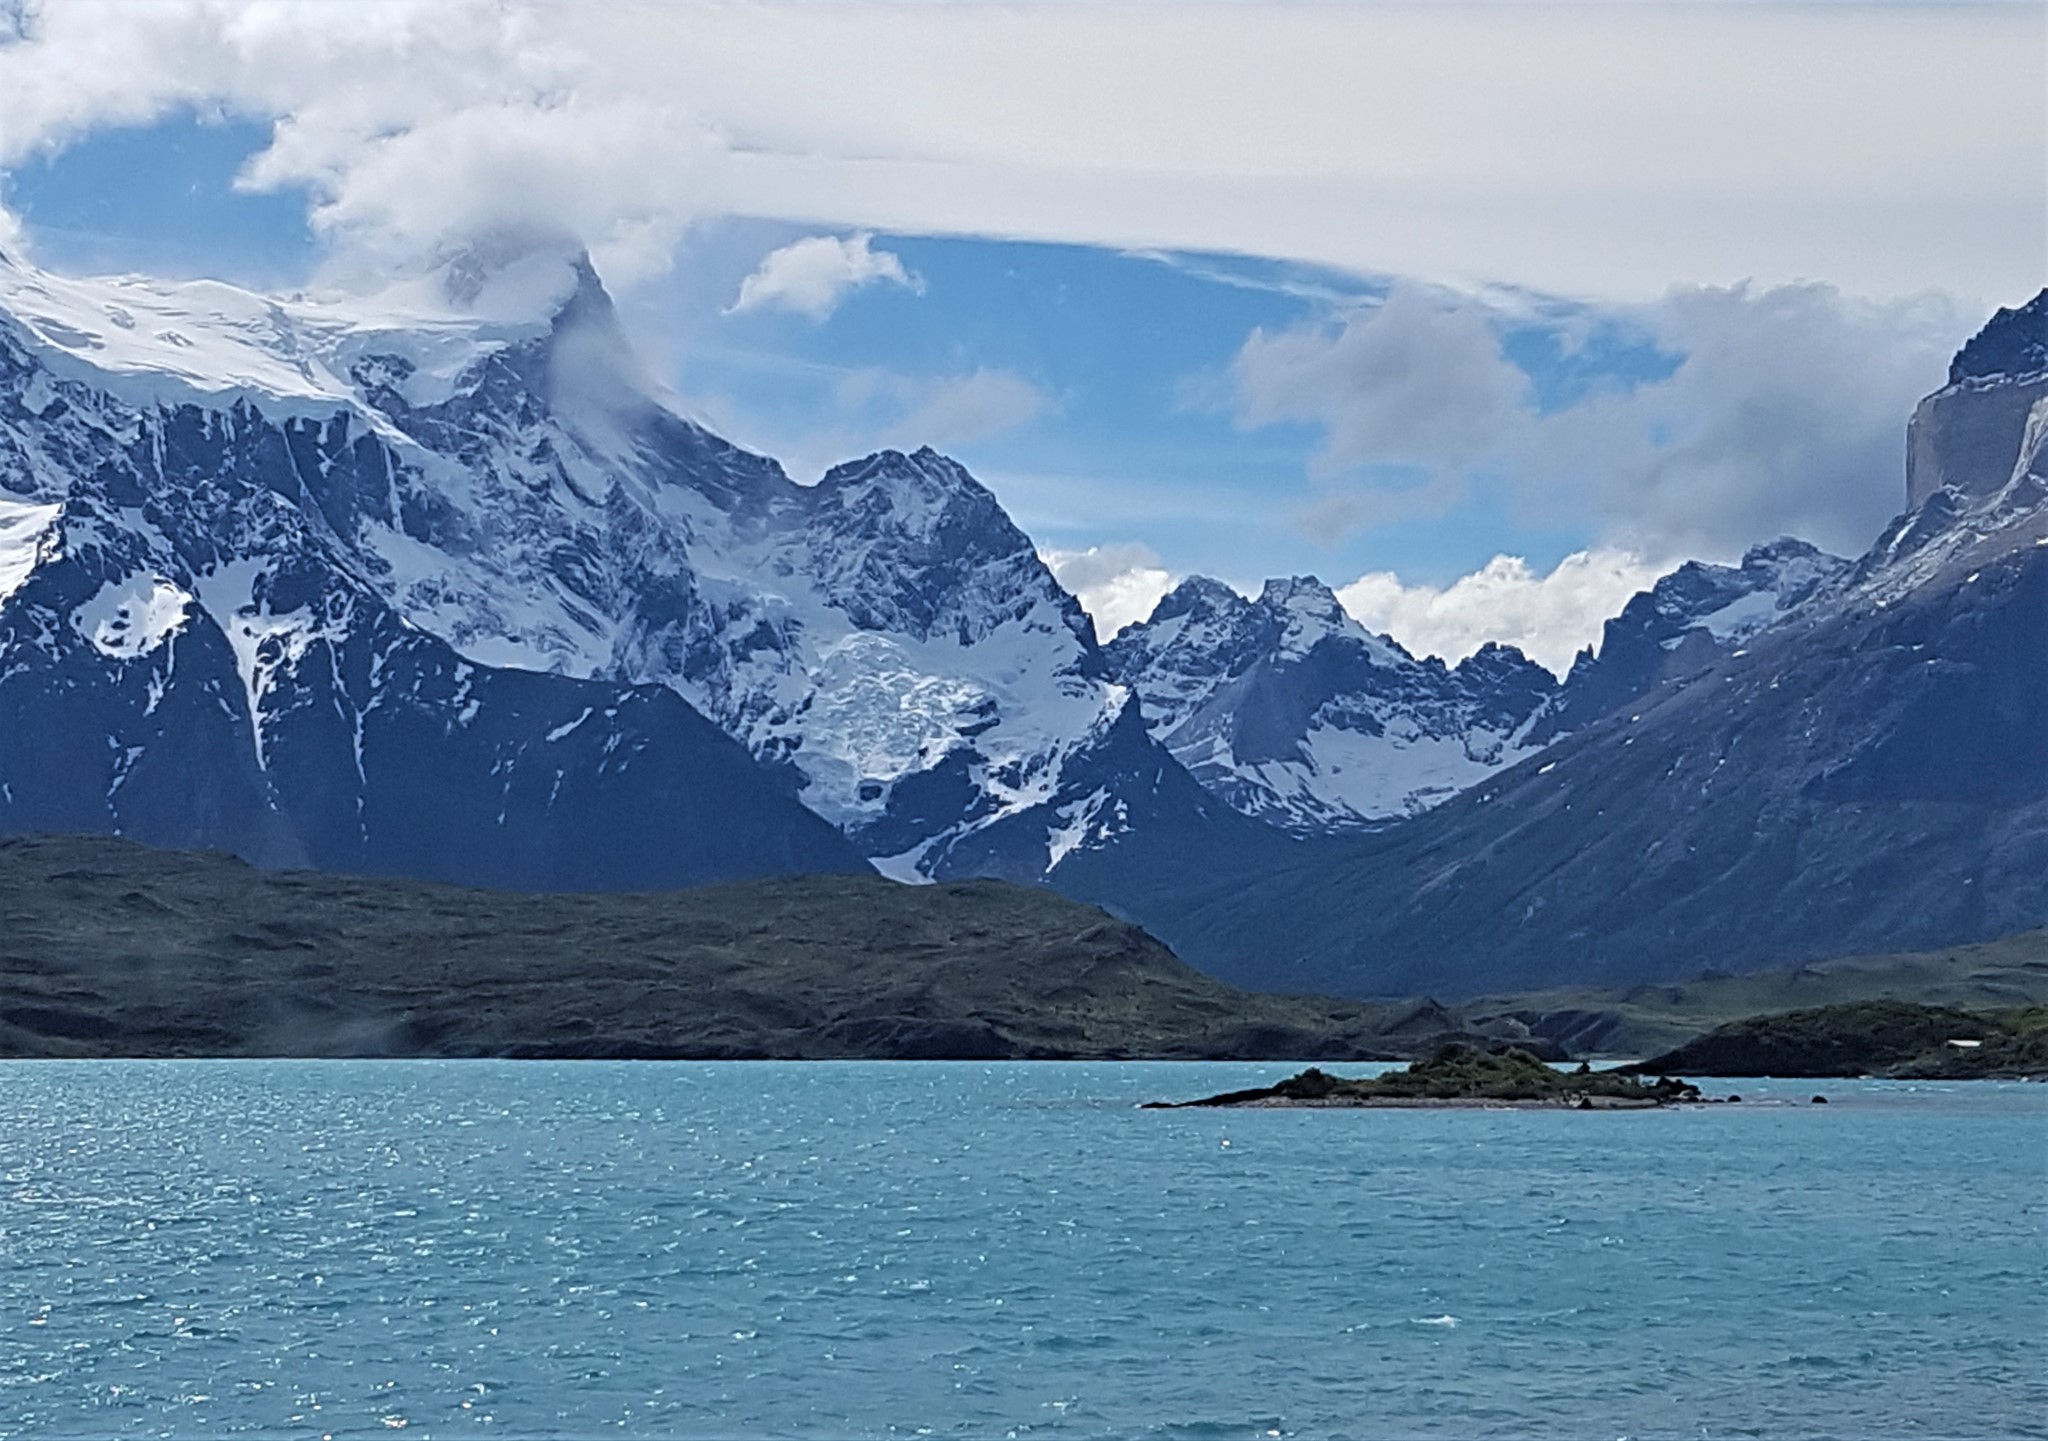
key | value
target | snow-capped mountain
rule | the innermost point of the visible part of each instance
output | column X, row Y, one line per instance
column 1289, row 710
column 386, row 585
column 1867, row 772
column 887, row 641
column 184, row 659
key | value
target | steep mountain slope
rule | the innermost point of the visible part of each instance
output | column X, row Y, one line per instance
column 1689, row 619
column 1869, row 773
column 317, row 481
column 1290, row 711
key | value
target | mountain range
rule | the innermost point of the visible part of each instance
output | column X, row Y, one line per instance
column 458, row 593
column 1868, row 770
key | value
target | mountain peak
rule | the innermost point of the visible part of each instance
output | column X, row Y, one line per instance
column 1784, row 548
column 1302, row 593
column 925, row 473
column 519, row 277
column 1198, row 595
column 2012, row 343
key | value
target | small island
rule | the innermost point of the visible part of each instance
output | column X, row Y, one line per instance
column 1461, row 1076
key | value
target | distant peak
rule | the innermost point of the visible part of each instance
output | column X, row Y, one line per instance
column 938, row 481
column 1198, row 595
column 1296, row 591
column 1785, row 547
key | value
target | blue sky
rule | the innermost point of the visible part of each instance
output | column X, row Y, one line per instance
column 1483, row 313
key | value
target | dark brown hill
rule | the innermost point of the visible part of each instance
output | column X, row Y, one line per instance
column 111, row 949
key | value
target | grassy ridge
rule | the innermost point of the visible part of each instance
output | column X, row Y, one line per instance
column 1644, row 1020
column 1881, row 1038
column 108, row 948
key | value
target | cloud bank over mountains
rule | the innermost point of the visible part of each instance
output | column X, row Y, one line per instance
column 1592, row 150
column 1550, row 615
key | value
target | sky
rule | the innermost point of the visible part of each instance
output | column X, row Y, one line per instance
column 1484, row 313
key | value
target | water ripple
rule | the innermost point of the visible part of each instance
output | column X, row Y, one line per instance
column 357, row 1249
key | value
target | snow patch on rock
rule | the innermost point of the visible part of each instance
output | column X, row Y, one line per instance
column 131, row 617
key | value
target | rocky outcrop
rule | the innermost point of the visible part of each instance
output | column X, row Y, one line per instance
column 1459, row 1076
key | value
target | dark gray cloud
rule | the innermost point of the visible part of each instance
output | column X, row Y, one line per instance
column 1785, row 415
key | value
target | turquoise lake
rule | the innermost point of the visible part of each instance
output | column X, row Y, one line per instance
column 479, row 1249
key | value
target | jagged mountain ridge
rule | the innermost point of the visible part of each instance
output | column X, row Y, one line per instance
column 1691, row 618
column 204, row 674
column 886, row 643
column 1291, row 711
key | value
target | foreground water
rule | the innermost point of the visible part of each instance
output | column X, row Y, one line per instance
column 455, row 1249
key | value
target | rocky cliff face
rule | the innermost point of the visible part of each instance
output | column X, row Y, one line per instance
column 1968, row 436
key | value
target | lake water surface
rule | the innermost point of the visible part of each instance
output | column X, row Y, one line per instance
column 865, row 1249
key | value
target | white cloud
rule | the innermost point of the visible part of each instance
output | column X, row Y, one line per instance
column 1118, row 585
column 1549, row 616
column 811, row 276
column 1785, row 415
column 1601, row 150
